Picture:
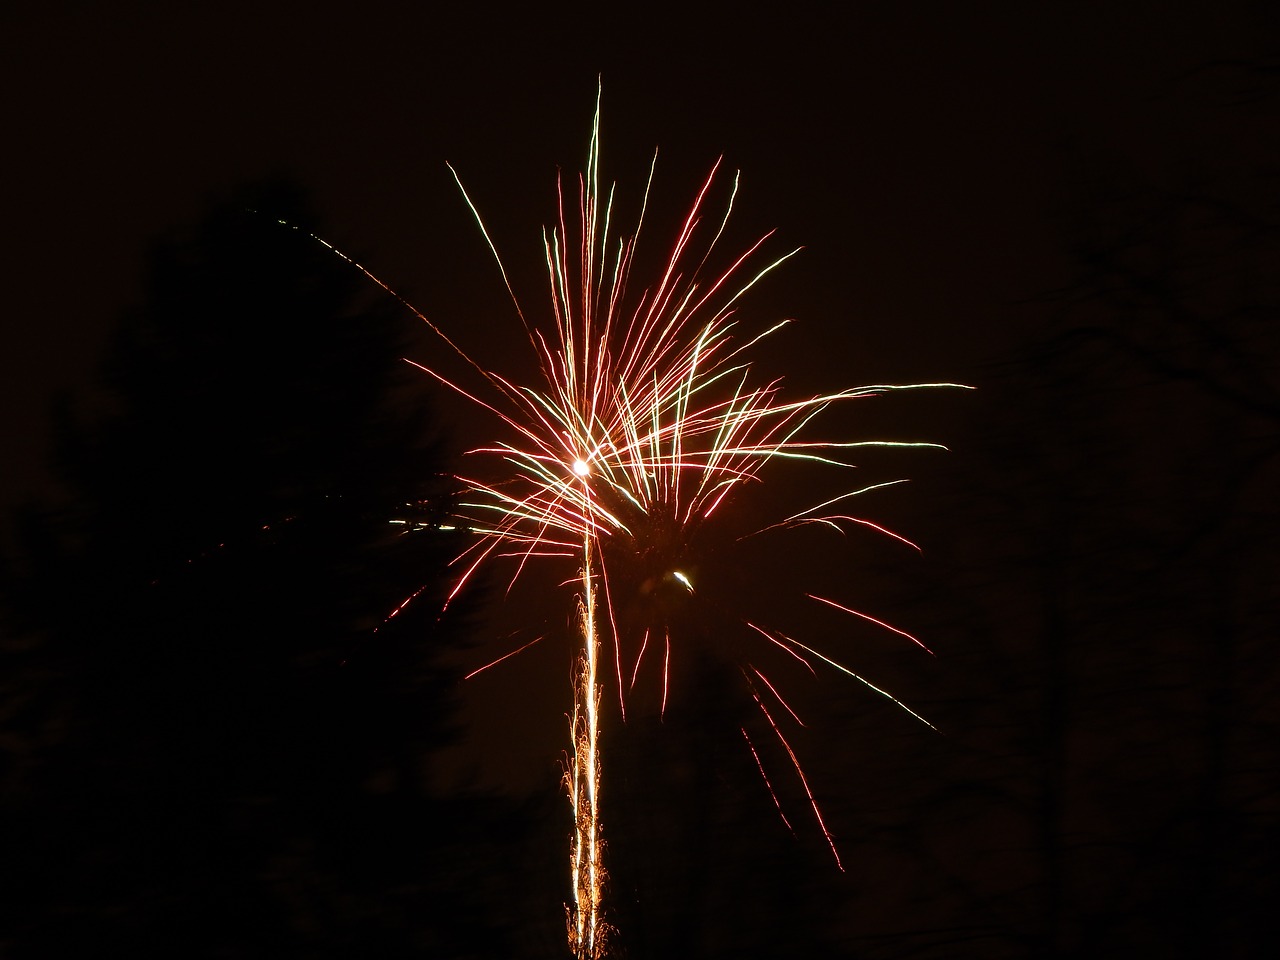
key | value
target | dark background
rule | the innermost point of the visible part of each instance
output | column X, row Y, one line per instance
column 208, row 749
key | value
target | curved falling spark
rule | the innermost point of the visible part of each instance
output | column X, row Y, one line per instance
column 646, row 421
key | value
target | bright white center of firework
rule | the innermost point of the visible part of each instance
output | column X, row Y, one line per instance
column 683, row 579
column 581, row 468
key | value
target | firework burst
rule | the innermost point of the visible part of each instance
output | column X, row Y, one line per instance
column 646, row 421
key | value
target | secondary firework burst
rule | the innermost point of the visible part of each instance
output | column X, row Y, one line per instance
column 645, row 422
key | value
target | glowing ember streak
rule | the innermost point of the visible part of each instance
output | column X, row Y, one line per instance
column 813, row 803
column 586, row 931
column 505, row 656
column 765, row 777
column 879, row 623
column 647, row 419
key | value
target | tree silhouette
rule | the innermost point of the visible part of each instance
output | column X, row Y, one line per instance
column 242, row 752
column 1115, row 688
column 1182, row 306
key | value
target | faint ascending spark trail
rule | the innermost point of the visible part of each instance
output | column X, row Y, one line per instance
column 646, row 420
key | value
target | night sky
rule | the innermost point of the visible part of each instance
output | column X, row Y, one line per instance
column 1070, row 206
column 929, row 159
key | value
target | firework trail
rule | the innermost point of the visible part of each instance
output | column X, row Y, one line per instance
column 646, row 420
